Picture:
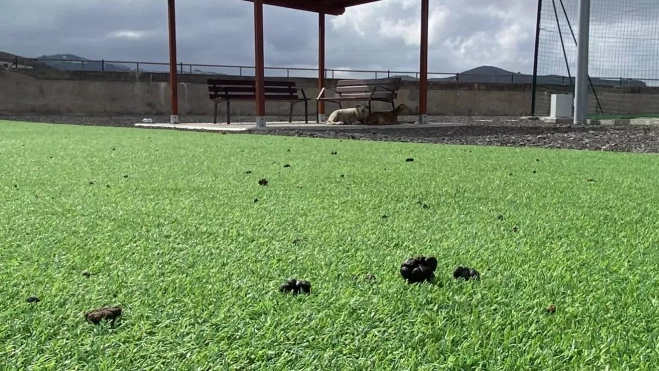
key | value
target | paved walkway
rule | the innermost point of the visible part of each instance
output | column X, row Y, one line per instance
column 250, row 126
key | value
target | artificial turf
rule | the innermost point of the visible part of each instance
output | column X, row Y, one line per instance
column 174, row 230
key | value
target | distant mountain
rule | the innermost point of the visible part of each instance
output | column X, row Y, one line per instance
column 72, row 62
column 8, row 60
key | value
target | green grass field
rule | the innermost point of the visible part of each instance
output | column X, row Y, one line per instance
column 195, row 262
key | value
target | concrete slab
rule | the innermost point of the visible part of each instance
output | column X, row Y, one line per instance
column 251, row 126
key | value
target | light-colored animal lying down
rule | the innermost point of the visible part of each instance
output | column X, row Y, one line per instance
column 348, row 116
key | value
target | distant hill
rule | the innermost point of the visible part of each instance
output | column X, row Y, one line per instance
column 71, row 62
column 482, row 74
column 491, row 74
column 10, row 60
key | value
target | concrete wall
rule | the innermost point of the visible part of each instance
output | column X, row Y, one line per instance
column 120, row 93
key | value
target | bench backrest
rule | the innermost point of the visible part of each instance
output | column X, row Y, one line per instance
column 367, row 86
column 246, row 89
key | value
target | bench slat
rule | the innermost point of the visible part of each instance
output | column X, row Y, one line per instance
column 393, row 81
column 250, row 89
column 252, row 97
column 273, row 83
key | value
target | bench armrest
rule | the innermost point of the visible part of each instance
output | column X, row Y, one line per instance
column 323, row 91
column 304, row 95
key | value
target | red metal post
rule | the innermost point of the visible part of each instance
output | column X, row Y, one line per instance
column 260, row 64
column 173, row 77
column 321, row 64
column 423, row 83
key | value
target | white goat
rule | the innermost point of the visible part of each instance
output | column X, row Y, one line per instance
column 348, row 116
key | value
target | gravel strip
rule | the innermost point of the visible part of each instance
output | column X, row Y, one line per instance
column 477, row 130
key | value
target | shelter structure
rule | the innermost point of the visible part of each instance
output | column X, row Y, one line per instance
column 323, row 8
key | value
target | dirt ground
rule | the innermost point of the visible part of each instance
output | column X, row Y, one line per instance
column 476, row 130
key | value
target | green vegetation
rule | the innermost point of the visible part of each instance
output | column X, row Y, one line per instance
column 195, row 262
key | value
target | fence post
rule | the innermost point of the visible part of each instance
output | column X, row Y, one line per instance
column 457, row 77
column 181, row 68
column 288, row 72
column 388, row 73
column 16, row 62
column 512, row 78
column 102, row 65
column 137, row 64
column 240, row 71
column 376, row 75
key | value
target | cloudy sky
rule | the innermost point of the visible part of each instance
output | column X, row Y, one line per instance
column 381, row 36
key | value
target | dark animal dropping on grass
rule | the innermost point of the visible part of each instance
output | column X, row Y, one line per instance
column 551, row 309
column 126, row 176
column 500, row 217
column 256, row 200
column 107, row 313
column 91, row 183
column 248, row 172
column 33, row 299
column 409, row 159
column 466, row 273
column 333, row 153
column 514, row 229
column 287, row 165
column 533, row 171
column 296, row 287
column 107, row 185
column 591, row 180
column 86, row 274
column 263, row 182
column 419, row 269
column 341, row 175
column 384, row 216
column 296, row 241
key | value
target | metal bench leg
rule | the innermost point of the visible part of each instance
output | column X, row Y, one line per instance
column 317, row 112
column 215, row 113
column 290, row 113
column 393, row 105
column 228, row 112
column 306, row 113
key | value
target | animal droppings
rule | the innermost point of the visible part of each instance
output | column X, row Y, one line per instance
column 500, row 217
column 537, row 160
column 126, row 176
column 86, row 274
column 419, row 269
column 33, row 299
column 342, row 175
column 591, row 180
column 515, row 229
column 466, row 273
column 256, row 200
column 333, row 153
column 296, row 241
column 263, row 182
column 91, row 183
column 551, row 309
column 296, row 287
column 287, row 165
column 107, row 185
column 409, row 159
column 384, row 216
column 107, row 313
column 248, row 172
column 534, row 171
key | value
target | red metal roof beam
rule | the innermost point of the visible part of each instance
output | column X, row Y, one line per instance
column 317, row 7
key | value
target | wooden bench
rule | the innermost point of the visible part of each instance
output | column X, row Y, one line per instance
column 245, row 90
column 382, row 90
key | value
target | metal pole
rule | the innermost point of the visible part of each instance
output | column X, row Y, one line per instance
column 320, row 115
column 260, row 65
column 581, row 85
column 423, row 82
column 535, row 57
column 173, row 81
